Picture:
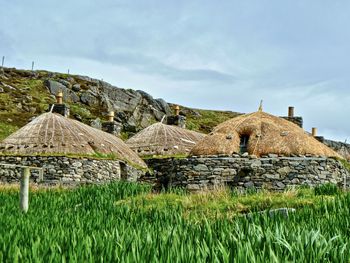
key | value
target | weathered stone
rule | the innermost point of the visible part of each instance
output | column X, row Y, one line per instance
column 249, row 185
column 272, row 176
column 200, row 168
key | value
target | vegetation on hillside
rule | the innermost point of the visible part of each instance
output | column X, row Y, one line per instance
column 24, row 96
column 124, row 222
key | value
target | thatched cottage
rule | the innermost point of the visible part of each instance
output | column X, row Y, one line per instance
column 253, row 150
column 260, row 134
column 164, row 140
column 69, row 151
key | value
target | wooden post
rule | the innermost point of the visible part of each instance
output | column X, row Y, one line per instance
column 24, row 190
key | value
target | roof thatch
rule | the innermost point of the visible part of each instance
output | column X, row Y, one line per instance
column 54, row 134
column 268, row 134
column 162, row 139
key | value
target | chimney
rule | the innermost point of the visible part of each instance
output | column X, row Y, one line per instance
column 291, row 112
column 59, row 107
column 177, row 110
column 111, row 116
column 111, row 126
column 59, row 97
column 314, row 132
column 177, row 119
column 298, row 120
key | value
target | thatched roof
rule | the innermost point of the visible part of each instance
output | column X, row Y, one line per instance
column 162, row 139
column 268, row 134
column 54, row 134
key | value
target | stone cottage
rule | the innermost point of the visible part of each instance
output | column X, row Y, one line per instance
column 69, row 151
column 253, row 150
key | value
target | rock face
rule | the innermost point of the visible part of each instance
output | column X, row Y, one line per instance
column 134, row 109
column 273, row 173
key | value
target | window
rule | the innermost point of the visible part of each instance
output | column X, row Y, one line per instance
column 244, row 143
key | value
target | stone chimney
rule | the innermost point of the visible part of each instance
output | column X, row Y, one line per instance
column 290, row 112
column 177, row 119
column 111, row 126
column 59, row 107
column 298, row 120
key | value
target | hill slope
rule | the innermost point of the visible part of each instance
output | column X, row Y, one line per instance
column 25, row 94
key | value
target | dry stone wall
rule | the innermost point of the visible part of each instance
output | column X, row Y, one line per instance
column 64, row 170
column 271, row 172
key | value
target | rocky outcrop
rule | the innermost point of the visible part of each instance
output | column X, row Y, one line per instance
column 134, row 109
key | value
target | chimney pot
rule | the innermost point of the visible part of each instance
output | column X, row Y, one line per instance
column 177, row 110
column 314, row 132
column 111, row 116
column 290, row 112
column 59, row 97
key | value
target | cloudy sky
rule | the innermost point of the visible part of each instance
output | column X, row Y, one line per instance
column 206, row 54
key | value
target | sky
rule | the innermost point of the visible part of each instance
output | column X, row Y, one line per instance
column 223, row 54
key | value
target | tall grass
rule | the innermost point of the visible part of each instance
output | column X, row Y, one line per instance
column 94, row 224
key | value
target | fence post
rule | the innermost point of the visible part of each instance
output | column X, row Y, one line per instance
column 24, row 189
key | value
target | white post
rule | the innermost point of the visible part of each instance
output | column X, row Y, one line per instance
column 24, row 190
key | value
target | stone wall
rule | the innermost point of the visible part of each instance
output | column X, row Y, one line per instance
column 63, row 170
column 271, row 172
column 340, row 147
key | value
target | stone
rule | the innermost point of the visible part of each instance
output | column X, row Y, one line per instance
column 249, row 184
column 280, row 184
column 255, row 163
column 54, row 87
column 271, row 155
column 64, row 82
column 96, row 123
column 284, row 170
column 88, row 99
column 193, row 187
column 272, row 176
column 2, row 90
column 76, row 87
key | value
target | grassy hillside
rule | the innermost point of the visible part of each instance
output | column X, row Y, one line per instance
column 205, row 120
column 23, row 95
column 125, row 222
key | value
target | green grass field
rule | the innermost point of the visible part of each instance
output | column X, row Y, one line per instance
column 124, row 222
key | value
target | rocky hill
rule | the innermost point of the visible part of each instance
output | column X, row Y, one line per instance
column 25, row 94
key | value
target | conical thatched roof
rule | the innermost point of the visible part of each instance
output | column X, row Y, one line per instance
column 162, row 139
column 54, row 134
column 268, row 134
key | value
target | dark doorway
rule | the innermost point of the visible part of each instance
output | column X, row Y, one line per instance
column 123, row 171
column 244, row 143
